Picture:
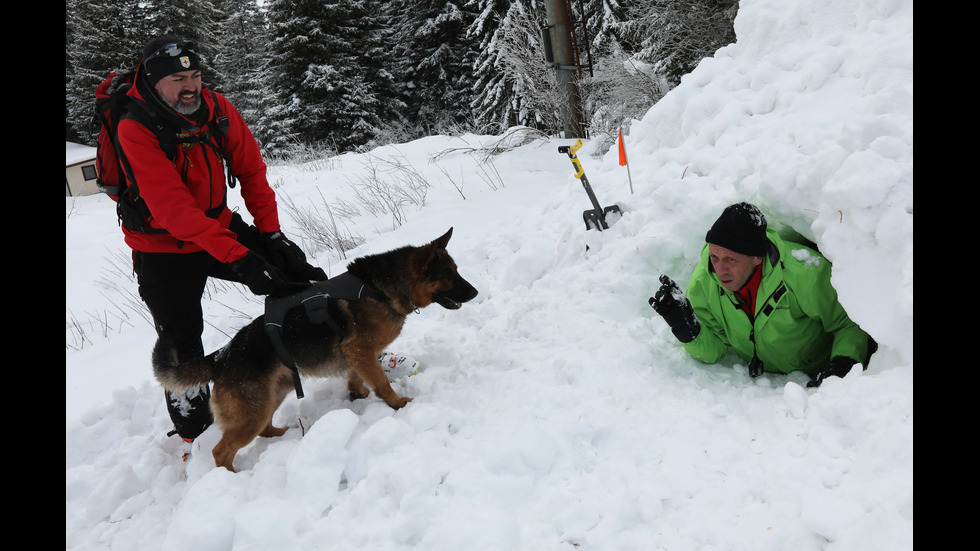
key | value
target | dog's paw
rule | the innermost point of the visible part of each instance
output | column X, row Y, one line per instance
column 357, row 390
column 399, row 402
column 357, row 395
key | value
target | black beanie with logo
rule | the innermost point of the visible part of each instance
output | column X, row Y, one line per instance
column 740, row 228
column 167, row 55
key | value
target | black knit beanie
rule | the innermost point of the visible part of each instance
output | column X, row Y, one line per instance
column 159, row 60
column 740, row 228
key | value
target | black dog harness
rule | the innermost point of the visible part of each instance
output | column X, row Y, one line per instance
column 315, row 299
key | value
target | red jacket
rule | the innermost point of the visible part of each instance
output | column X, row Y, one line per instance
column 179, row 192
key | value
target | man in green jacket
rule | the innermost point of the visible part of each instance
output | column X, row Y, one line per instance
column 769, row 299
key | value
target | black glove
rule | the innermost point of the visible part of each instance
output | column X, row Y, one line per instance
column 310, row 273
column 282, row 252
column 676, row 310
column 838, row 367
column 261, row 277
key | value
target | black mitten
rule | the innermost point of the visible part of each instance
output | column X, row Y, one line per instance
column 259, row 276
column 283, row 253
column 838, row 367
column 676, row 310
column 311, row 273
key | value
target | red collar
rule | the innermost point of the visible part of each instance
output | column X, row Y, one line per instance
column 747, row 294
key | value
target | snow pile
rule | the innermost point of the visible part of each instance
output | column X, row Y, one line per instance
column 556, row 410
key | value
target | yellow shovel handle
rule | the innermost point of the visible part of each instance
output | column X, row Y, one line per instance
column 579, row 171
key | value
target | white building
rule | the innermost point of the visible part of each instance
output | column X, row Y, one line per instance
column 80, row 171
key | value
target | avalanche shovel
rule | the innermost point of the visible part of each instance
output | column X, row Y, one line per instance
column 595, row 217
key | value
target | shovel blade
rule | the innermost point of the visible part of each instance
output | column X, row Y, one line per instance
column 595, row 218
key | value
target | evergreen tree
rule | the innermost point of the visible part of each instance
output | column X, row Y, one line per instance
column 290, row 51
column 601, row 18
column 71, row 134
column 377, row 63
column 492, row 105
column 536, row 99
column 617, row 88
column 316, row 65
column 433, row 59
column 239, row 56
column 675, row 35
column 518, row 86
column 98, row 43
column 348, row 73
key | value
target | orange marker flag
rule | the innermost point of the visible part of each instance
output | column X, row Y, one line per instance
column 622, row 159
column 622, row 149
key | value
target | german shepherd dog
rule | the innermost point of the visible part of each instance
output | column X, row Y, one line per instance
column 250, row 380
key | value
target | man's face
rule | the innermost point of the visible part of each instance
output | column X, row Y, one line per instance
column 181, row 91
column 732, row 268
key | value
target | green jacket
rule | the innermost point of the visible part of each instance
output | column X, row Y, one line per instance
column 799, row 323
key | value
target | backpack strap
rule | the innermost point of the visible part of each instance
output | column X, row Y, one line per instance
column 217, row 134
column 132, row 211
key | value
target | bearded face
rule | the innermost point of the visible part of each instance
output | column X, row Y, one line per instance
column 181, row 91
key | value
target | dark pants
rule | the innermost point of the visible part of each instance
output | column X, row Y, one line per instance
column 172, row 285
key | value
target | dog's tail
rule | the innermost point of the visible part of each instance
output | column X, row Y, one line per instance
column 176, row 376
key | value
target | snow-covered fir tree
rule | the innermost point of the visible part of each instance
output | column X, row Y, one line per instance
column 239, row 56
column 345, row 74
column 675, row 35
column 433, row 61
column 316, row 72
column 99, row 39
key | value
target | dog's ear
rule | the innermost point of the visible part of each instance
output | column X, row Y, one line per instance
column 424, row 256
column 444, row 240
column 427, row 253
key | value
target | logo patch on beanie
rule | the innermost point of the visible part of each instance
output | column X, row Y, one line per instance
column 185, row 61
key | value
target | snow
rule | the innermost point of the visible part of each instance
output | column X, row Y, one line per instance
column 556, row 410
column 77, row 153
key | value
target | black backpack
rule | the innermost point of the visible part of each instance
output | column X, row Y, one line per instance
column 115, row 177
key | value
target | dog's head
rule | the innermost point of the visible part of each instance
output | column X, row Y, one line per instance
column 439, row 280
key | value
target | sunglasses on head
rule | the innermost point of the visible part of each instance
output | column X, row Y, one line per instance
column 173, row 49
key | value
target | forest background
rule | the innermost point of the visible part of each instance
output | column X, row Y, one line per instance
column 315, row 77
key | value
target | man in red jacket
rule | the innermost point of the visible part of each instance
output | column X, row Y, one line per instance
column 190, row 234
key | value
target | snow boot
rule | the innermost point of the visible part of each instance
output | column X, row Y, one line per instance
column 190, row 412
